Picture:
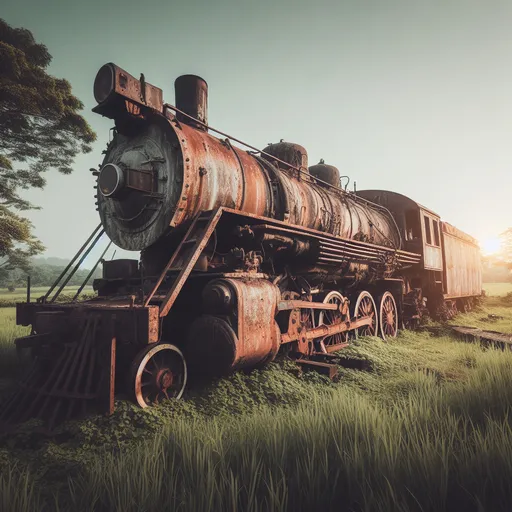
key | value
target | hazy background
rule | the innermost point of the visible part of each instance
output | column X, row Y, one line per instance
column 411, row 96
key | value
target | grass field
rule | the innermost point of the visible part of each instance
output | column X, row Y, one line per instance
column 36, row 291
column 497, row 289
column 426, row 427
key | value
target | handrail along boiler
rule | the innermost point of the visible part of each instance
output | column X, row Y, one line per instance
column 244, row 253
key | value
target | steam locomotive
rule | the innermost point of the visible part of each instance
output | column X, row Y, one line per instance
column 243, row 254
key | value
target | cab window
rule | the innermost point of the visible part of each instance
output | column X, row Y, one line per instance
column 437, row 241
column 428, row 233
column 412, row 225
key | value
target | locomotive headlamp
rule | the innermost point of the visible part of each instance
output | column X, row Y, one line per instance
column 110, row 180
column 104, row 82
column 117, row 93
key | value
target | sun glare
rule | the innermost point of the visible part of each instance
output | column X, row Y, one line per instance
column 491, row 245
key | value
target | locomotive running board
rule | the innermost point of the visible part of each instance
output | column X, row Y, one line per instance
column 199, row 233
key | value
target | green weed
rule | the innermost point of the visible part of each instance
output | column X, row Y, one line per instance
column 426, row 426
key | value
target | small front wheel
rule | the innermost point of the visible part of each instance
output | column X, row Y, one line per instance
column 159, row 372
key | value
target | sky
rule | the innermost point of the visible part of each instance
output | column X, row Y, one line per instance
column 404, row 95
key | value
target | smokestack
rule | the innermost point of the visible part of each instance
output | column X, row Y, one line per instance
column 192, row 98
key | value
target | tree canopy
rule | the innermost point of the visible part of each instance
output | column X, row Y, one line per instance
column 506, row 247
column 40, row 129
column 498, row 266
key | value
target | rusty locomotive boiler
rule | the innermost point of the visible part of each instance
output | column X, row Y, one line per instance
column 243, row 254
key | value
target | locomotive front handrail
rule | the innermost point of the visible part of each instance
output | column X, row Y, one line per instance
column 63, row 273
column 77, row 266
column 89, row 275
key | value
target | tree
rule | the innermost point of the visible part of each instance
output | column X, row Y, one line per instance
column 40, row 129
column 506, row 247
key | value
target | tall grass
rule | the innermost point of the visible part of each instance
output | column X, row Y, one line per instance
column 427, row 427
column 440, row 448
column 495, row 314
column 497, row 289
column 20, row 294
column 18, row 492
column 9, row 362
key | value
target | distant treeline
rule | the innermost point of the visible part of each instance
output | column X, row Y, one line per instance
column 496, row 274
column 43, row 274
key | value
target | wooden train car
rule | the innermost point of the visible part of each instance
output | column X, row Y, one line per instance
column 449, row 272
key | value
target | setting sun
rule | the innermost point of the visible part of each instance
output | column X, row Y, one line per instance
column 491, row 245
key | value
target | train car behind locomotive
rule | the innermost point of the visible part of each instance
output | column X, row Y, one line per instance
column 449, row 275
column 244, row 254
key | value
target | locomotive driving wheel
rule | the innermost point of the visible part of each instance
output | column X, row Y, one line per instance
column 388, row 316
column 159, row 372
column 365, row 306
column 332, row 317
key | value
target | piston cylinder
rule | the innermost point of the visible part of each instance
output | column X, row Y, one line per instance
column 245, row 335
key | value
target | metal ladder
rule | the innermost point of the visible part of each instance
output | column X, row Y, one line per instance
column 191, row 247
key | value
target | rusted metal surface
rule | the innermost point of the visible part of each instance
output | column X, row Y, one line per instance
column 133, row 323
column 158, row 372
column 281, row 255
column 109, row 378
column 113, row 83
column 257, row 329
column 328, row 330
column 75, row 350
column 331, row 370
column 203, row 236
column 250, row 337
column 284, row 305
column 388, row 316
column 191, row 94
column 462, row 263
column 216, row 174
column 326, row 173
column 294, row 155
column 194, row 171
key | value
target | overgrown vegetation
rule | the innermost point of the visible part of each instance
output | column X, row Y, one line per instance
column 425, row 427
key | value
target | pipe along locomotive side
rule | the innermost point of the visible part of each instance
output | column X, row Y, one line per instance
column 243, row 254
